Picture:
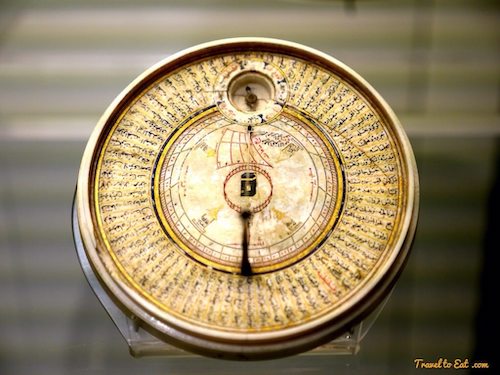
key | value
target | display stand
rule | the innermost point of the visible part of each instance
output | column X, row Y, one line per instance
column 142, row 343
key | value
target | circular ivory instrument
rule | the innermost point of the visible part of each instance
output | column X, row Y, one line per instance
column 248, row 198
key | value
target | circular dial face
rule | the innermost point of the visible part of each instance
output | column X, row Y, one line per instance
column 248, row 197
column 284, row 172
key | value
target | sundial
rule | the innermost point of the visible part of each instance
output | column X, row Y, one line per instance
column 247, row 198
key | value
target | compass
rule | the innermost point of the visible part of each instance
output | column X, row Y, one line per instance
column 247, row 198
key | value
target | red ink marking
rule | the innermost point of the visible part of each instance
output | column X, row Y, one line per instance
column 327, row 282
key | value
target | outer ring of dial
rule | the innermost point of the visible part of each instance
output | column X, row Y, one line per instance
column 288, row 341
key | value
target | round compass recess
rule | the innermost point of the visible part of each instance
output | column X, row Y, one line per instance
column 248, row 198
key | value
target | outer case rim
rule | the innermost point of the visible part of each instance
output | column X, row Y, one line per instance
column 252, row 348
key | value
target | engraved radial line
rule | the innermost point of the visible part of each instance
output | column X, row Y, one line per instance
column 218, row 151
column 323, row 189
column 318, row 155
column 185, row 150
column 249, row 143
column 241, row 147
column 231, row 142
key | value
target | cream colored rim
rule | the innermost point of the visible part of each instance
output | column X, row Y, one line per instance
column 355, row 307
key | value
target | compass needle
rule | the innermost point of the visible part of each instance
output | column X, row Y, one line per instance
column 250, row 98
column 248, row 198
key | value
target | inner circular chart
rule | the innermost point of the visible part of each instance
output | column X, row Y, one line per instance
column 285, row 172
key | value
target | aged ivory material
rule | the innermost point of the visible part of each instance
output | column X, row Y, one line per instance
column 248, row 198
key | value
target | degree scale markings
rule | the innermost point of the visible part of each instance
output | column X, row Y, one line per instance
column 287, row 308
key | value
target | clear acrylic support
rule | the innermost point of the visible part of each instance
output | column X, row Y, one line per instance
column 142, row 343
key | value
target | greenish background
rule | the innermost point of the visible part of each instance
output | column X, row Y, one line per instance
column 62, row 63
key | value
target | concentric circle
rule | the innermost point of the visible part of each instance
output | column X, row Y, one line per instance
column 285, row 172
column 251, row 91
column 248, row 125
column 241, row 184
